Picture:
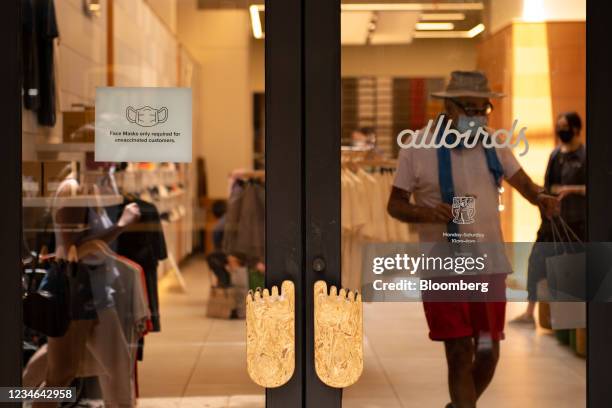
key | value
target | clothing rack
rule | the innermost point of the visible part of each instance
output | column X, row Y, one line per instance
column 346, row 149
column 360, row 158
column 386, row 163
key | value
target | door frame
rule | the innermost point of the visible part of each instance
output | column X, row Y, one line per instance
column 11, row 213
column 303, row 174
column 303, row 193
column 599, row 197
column 284, row 174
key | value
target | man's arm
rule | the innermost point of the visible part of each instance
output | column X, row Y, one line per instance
column 400, row 208
column 534, row 193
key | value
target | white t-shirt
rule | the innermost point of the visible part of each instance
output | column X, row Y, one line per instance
column 417, row 173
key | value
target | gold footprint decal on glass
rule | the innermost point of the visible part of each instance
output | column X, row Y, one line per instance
column 270, row 319
column 338, row 335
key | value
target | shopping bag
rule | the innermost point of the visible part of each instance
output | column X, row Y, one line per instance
column 566, row 275
column 47, row 308
column 222, row 302
column 566, row 271
column 567, row 315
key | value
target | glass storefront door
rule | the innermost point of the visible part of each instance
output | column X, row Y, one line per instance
column 408, row 67
column 144, row 199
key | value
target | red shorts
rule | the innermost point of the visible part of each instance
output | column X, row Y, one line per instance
column 451, row 320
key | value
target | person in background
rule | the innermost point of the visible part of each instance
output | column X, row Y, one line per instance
column 427, row 180
column 566, row 178
column 218, row 260
column 364, row 137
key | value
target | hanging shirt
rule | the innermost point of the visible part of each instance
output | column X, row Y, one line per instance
column 143, row 242
column 39, row 31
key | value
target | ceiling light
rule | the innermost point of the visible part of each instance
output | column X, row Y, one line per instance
column 256, row 22
column 533, row 11
column 441, row 34
column 435, row 26
column 91, row 8
column 411, row 6
column 477, row 29
column 442, row 17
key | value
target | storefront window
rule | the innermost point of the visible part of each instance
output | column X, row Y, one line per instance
column 147, row 257
column 462, row 128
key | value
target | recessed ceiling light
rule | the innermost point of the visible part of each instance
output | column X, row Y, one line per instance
column 434, row 6
column 533, row 11
column 477, row 29
column 409, row 7
column 435, row 26
column 442, row 17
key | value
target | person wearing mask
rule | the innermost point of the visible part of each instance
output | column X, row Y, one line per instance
column 566, row 178
column 427, row 180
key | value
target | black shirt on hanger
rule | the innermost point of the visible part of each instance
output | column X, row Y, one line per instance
column 144, row 243
column 39, row 30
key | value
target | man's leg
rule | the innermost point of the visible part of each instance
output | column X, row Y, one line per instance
column 536, row 271
column 216, row 263
column 485, row 362
column 460, row 360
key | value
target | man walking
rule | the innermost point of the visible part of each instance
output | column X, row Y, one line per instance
column 428, row 179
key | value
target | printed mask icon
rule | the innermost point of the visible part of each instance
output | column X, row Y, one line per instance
column 146, row 116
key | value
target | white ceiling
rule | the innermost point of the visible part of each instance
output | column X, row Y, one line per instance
column 394, row 27
column 355, row 27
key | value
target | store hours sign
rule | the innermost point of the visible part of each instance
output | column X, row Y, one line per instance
column 143, row 124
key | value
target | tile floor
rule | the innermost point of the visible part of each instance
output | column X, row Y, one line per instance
column 198, row 362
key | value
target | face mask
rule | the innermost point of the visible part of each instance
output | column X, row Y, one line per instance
column 466, row 123
column 146, row 116
column 565, row 135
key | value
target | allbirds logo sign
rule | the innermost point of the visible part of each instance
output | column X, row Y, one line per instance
column 452, row 138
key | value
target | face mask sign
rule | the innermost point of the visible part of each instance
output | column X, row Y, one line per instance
column 146, row 116
column 145, row 124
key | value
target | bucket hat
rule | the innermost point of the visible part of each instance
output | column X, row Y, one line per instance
column 468, row 83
